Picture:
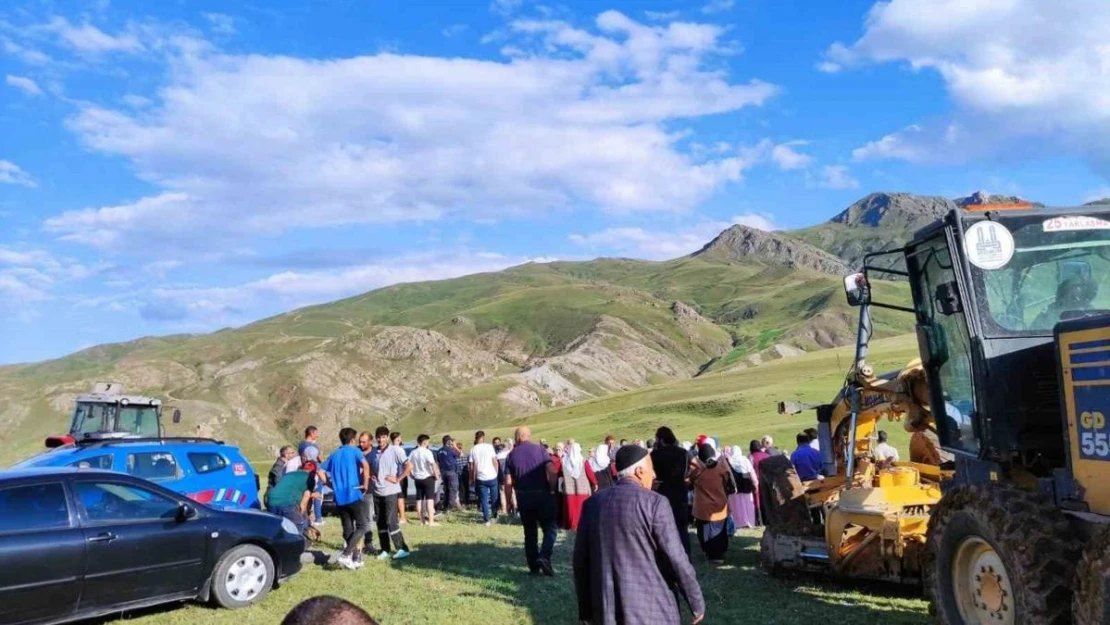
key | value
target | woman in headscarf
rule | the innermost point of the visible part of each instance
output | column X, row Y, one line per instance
column 711, row 482
column 741, row 504
column 579, row 483
column 599, row 464
column 758, row 455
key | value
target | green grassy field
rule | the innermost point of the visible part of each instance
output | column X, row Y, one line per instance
column 736, row 406
column 465, row 573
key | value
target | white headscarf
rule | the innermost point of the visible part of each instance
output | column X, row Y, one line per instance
column 600, row 460
column 573, row 461
column 741, row 463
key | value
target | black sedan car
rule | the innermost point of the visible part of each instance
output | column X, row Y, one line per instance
column 80, row 543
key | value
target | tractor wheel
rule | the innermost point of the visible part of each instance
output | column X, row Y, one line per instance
column 999, row 555
column 1089, row 604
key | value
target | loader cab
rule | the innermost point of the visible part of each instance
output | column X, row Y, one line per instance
column 989, row 287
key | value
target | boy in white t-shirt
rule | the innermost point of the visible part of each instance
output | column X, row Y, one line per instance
column 483, row 473
column 425, row 471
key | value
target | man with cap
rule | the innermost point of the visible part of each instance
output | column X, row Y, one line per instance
column 629, row 565
column 448, row 459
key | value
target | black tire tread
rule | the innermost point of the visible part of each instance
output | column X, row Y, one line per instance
column 1033, row 538
column 1088, row 601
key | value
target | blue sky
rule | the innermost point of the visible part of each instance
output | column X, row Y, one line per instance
column 185, row 166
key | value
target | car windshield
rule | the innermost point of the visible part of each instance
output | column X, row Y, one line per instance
column 1057, row 265
column 93, row 417
column 141, row 420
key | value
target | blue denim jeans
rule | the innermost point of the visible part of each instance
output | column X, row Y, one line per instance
column 318, row 505
column 487, row 497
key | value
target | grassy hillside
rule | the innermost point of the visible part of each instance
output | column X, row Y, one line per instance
column 736, row 406
column 450, row 354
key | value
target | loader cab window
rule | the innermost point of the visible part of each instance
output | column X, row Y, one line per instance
column 931, row 263
column 1058, row 271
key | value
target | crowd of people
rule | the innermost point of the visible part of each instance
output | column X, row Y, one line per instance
column 647, row 496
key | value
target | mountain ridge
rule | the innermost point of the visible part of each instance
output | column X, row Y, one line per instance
column 480, row 349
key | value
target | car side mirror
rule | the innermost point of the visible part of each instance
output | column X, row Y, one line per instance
column 186, row 511
column 932, row 344
column 857, row 289
column 947, row 298
column 177, row 415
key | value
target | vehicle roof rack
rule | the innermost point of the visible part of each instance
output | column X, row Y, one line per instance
column 106, row 442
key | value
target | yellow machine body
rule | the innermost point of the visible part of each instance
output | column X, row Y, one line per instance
column 1085, row 375
column 875, row 529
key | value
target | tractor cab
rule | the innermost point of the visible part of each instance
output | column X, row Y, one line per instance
column 107, row 413
column 992, row 286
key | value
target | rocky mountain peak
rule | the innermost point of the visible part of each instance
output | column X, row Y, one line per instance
column 898, row 210
column 980, row 198
column 745, row 243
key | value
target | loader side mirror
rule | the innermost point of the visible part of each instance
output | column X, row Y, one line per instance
column 947, row 298
column 177, row 415
column 932, row 344
column 857, row 289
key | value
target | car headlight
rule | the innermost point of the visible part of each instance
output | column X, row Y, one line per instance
column 290, row 527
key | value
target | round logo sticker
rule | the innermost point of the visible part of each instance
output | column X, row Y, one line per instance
column 989, row 245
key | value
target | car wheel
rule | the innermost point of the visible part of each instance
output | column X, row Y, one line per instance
column 244, row 576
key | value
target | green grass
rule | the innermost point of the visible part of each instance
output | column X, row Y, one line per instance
column 736, row 406
column 465, row 573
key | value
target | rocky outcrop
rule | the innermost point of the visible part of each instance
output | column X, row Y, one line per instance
column 745, row 243
column 894, row 210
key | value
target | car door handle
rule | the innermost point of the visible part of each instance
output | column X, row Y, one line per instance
column 106, row 537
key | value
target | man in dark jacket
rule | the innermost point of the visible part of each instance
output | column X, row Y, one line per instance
column 277, row 471
column 671, row 464
column 628, row 567
column 448, row 459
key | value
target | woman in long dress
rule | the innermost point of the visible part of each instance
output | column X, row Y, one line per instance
column 741, row 504
column 710, row 478
column 579, row 481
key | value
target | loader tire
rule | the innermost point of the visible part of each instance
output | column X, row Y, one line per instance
column 1089, row 605
column 999, row 554
column 782, row 498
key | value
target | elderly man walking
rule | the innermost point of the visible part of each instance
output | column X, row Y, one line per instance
column 629, row 565
column 531, row 474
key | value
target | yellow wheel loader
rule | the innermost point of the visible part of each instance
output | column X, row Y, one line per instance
column 1012, row 305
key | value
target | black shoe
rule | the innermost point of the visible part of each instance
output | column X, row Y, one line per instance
column 545, row 567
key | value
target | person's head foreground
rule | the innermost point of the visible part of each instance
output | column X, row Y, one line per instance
column 634, row 462
column 327, row 610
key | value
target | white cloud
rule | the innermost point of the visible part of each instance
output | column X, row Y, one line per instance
column 88, row 39
column 29, row 56
column 837, row 177
column 505, row 7
column 661, row 16
column 664, row 244
column 718, row 6
column 10, row 173
column 218, row 306
column 1023, row 70
column 829, row 67
column 787, row 158
column 24, row 84
column 28, row 275
column 267, row 143
column 221, row 23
